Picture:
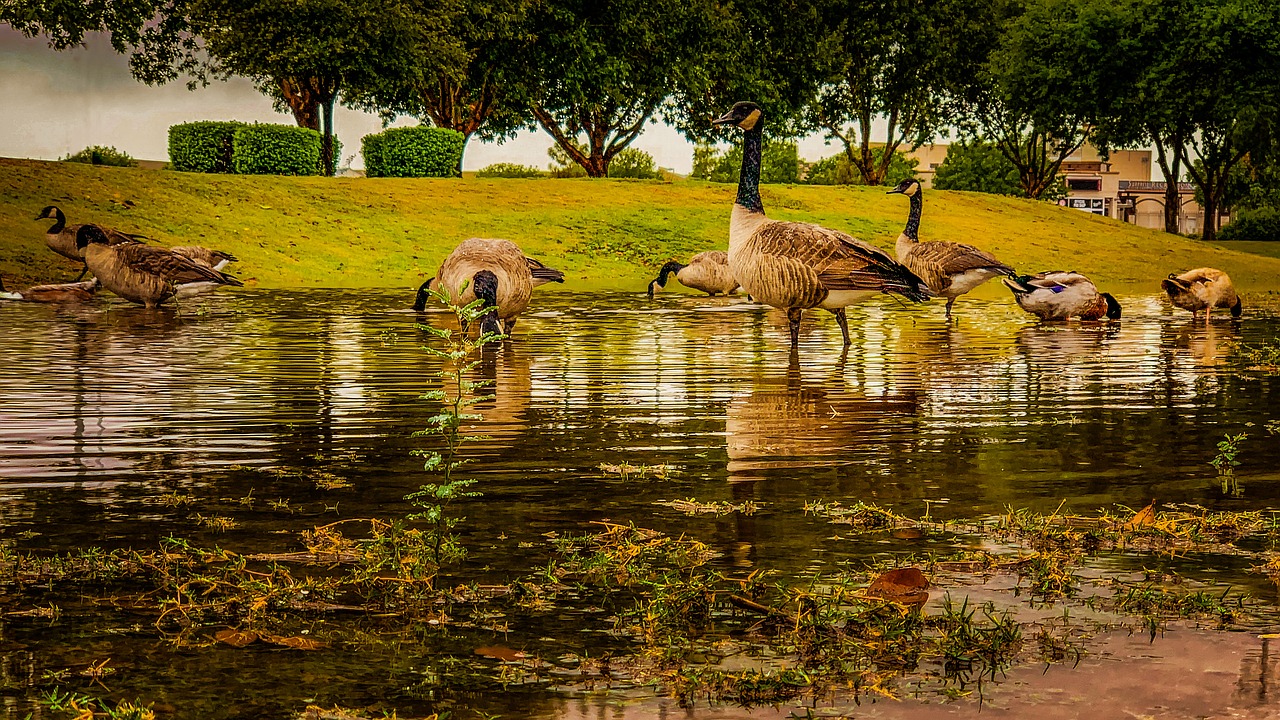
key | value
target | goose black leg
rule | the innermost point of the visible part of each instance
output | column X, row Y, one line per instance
column 793, row 317
column 508, row 326
column 843, row 322
column 83, row 272
column 950, row 302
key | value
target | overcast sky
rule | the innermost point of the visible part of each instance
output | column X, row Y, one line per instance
column 56, row 103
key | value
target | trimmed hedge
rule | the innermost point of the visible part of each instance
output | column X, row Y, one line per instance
column 276, row 150
column 413, row 152
column 1253, row 224
column 102, row 155
column 205, row 146
column 509, row 170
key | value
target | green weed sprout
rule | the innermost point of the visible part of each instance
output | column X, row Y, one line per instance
column 461, row 355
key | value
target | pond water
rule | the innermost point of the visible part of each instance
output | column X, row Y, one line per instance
column 271, row 395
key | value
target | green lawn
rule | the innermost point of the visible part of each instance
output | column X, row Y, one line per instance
column 605, row 234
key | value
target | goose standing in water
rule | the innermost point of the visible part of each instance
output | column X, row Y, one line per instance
column 707, row 271
column 949, row 269
column 793, row 265
column 1202, row 289
column 143, row 274
column 61, row 237
column 1060, row 295
column 495, row 271
column 73, row 292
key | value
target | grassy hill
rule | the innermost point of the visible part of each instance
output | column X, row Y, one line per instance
column 606, row 234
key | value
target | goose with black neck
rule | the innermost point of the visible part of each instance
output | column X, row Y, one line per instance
column 797, row 266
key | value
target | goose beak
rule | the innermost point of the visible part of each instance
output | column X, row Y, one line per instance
column 725, row 119
column 894, row 191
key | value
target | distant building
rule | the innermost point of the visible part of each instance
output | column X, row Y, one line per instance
column 1119, row 187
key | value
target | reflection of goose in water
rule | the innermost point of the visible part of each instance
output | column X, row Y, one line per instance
column 506, row 415
column 792, row 424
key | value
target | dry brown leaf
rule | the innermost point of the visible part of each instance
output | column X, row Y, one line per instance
column 236, row 638
column 908, row 586
column 498, row 652
column 1144, row 518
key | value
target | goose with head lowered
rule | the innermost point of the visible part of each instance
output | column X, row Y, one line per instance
column 707, row 271
column 61, row 237
column 794, row 265
column 144, row 274
column 1203, row 289
column 949, row 269
column 495, row 271
column 1062, row 295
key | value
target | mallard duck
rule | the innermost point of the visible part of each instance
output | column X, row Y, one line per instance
column 949, row 269
column 495, row 271
column 707, row 271
column 144, row 274
column 1202, row 289
column 793, row 265
column 61, row 237
column 1060, row 295
column 74, row 292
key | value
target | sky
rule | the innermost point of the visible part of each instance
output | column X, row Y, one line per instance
column 57, row 103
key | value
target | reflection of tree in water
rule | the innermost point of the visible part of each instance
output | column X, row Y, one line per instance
column 1259, row 677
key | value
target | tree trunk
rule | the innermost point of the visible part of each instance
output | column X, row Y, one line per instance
column 1209, row 229
column 328, row 163
column 303, row 102
column 1171, row 171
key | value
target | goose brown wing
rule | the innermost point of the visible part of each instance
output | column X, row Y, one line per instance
column 841, row 262
column 171, row 266
column 542, row 272
column 937, row 262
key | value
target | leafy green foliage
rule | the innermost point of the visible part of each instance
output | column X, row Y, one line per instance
column 779, row 163
column 1225, row 461
column 633, row 163
column 977, row 166
column 413, row 152
column 206, row 146
column 509, row 170
column 275, row 150
column 461, row 355
column 1253, row 224
column 838, row 170
column 102, row 155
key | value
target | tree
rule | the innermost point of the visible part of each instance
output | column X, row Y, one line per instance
column 779, row 163
column 478, row 88
column 977, row 166
column 1025, row 102
column 600, row 70
column 839, row 170
column 900, row 60
column 65, row 24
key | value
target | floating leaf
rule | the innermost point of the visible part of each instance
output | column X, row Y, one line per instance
column 908, row 586
column 236, row 638
column 906, row 534
column 498, row 652
column 295, row 642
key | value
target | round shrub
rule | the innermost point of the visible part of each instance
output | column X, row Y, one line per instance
column 204, row 146
column 276, row 150
column 633, row 163
column 100, row 155
column 1255, row 224
column 509, row 170
column 413, row 152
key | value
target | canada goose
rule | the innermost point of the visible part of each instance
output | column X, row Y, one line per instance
column 1059, row 295
column 795, row 265
column 215, row 259
column 707, row 271
column 949, row 269
column 1202, row 289
column 495, row 271
column 74, row 292
column 144, row 274
column 61, row 237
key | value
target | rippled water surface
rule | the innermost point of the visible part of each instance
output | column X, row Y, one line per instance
column 105, row 410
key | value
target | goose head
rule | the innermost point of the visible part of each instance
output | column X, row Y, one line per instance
column 424, row 294
column 485, row 286
column 50, row 212
column 90, row 234
column 745, row 115
column 1113, row 307
column 907, row 187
